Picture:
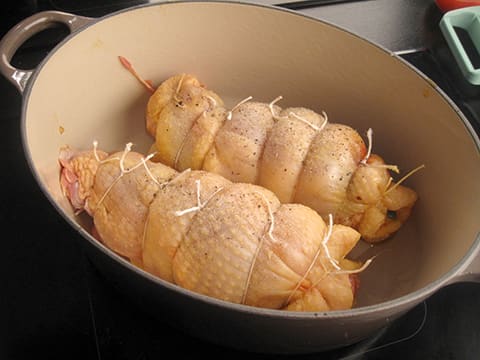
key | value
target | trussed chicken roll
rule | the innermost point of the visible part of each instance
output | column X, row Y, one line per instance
column 294, row 152
column 231, row 241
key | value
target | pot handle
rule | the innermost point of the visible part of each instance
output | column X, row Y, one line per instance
column 24, row 30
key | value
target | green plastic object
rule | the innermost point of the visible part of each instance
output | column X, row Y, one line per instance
column 467, row 19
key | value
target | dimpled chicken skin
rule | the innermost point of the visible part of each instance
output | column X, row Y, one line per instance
column 231, row 241
column 294, row 152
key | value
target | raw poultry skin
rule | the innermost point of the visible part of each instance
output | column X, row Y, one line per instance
column 294, row 152
column 231, row 241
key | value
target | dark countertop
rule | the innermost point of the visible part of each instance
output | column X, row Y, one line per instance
column 55, row 305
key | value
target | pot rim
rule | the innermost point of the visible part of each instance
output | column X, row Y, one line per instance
column 412, row 298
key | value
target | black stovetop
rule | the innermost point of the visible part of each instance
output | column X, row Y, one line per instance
column 55, row 305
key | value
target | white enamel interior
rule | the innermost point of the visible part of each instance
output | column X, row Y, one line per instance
column 82, row 93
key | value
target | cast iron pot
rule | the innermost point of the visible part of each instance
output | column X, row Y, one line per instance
column 81, row 93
